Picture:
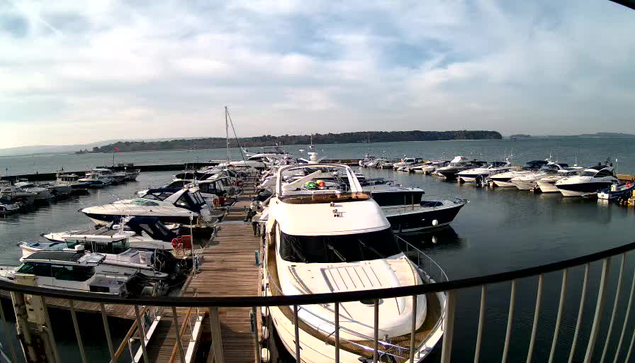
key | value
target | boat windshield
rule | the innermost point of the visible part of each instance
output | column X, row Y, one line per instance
column 342, row 248
column 588, row 173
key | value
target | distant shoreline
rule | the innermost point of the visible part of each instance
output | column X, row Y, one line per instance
column 286, row 140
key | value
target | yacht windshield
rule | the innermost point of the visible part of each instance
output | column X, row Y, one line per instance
column 343, row 248
column 588, row 173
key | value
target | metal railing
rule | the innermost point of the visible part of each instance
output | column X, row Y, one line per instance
column 596, row 339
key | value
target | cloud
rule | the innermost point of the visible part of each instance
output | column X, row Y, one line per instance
column 72, row 72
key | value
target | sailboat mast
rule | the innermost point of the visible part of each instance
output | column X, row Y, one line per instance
column 227, row 134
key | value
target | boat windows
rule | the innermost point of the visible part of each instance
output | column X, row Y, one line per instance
column 588, row 173
column 190, row 201
column 334, row 249
column 177, row 184
column 72, row 273
column 603, row 173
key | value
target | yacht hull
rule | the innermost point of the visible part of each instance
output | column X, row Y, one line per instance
column 405, row 219
column 548, row 187
column 581, row 189
column 105, row 219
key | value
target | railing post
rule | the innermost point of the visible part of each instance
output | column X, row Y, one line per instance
column 217, row 340
column 413, row 327
column 337, row 332
column 7, row 335
column 617, row 299
column 534, row 329
column 481, row 323
column 376, row 331
column 143, row 334
column 104, row 318
column 510, row 320
column 599, row 307
column 78, row 334
column 177, row 330
column 628, row 313
column 448, row 327
column 563, row 292
column 585, row 283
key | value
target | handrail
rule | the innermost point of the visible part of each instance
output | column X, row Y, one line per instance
column 322, row 298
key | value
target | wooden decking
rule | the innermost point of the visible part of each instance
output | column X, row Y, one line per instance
column 228, row 268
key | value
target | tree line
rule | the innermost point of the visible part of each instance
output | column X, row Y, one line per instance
column 270, row 140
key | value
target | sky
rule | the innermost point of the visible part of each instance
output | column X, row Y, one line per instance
column 74, row 72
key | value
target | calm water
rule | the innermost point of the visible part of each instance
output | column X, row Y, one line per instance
column 499, row 230
column 587, row 151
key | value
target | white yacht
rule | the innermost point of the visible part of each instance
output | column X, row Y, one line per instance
column 457, row 165
column 547, row 184
column 496, row 167
column 328, row 240
column 528, row 181
column 139, row 232
column 119, row 257
column 589, row 182
column 72, row 271
column 169, row 206
column 41, row 194
column 95, row 180
column 406, row 162
column 432, row 166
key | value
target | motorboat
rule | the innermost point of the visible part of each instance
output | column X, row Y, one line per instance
column 184, row 206
column 13, row 194
column 41, row 194
column 71, row 271
column 588, row 182
column 367, row 160
column 71, row 180
column 115, row 177
column 503, row 180
column 406, row 162
column 151, row 262
column 547, row 184
column 323, row 239
column 131, row 174
column 95, row 180
column 59, row 191
column 473, row 175
column 140, row 232
column 528, row 181
column 408, row 212
column 432, row 166
column 617, row 191
column 7, row 207
column 457, row 165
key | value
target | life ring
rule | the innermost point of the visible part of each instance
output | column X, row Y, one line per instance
column 177, row 243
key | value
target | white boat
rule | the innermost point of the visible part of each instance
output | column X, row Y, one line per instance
column 589, row 182
column 119, row 256
column 432, row 166
column 71, row 271
column 528, row 181
column 95, row 180
column 183, row 206
column 616, row 191
column 457, row 165
column 13, row 194
column 406, row 162
column 335, row 240
column 472, row 175
column 503, row 180
column 71, row 180
column 7, row 207
column 547, row 184
column 41, row 194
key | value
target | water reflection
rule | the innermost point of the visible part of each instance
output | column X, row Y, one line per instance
column 440, row 238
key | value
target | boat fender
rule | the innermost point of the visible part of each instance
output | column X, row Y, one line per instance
column 264, row 355
column 435, row 222
column 264, row 334
column 264, row 311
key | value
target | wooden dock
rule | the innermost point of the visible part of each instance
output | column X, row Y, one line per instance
column 228, row 268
